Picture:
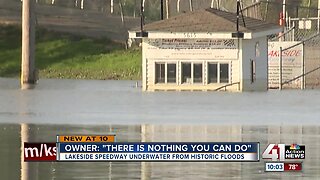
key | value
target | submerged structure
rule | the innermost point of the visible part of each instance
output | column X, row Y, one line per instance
column 207, row 49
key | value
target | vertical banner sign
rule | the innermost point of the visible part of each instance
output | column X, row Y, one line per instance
column 291, row 64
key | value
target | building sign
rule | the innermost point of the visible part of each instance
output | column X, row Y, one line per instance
column 192, row 49
column 291, row 64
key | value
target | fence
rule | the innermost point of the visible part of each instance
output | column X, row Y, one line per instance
column 299, row 64
column 269, row 10
column 302, row 28
column 312, row 61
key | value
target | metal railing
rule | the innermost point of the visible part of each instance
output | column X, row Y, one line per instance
column 225, row 86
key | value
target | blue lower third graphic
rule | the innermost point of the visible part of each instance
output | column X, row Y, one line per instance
column 159, row 151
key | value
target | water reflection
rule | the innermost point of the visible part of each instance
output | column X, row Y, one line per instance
column 12, row 135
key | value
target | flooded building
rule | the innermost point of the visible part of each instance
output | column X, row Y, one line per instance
column 202, row 50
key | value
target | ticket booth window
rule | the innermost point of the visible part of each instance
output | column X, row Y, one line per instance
column 186, row 72
column 224, row 73
column 160, row 73
column 212, row 73
column 171, row 73
column 197, row 73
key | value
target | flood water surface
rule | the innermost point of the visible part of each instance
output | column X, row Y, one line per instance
column 69, row 107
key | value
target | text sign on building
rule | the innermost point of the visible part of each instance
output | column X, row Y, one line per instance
column 192, row 49
column 291, row 64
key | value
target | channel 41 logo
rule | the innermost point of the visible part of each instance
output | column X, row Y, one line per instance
column 281, row 152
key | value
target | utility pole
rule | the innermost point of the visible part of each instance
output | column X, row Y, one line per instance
column 111, row 6
column 318, row 16
column 284, row 11
column 28, row 74
column 190, row 5
column 167, row 9
column 141, row 17
column 161, row 9
column 81, row 4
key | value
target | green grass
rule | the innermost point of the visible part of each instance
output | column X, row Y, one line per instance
column 61, row 55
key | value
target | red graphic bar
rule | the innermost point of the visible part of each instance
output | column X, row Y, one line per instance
column 297, row 166
column 39, row 151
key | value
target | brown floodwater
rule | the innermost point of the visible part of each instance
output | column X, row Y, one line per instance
column 102, row 107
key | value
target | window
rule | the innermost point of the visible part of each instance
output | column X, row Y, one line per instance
column 191, row 73
column 197, row 73
column 165, row 73
column 218, row 73
column 186, row 72
column 253, row 70
column 160, row 73
column 171, row 73
column 212, row 73
column 224, row 73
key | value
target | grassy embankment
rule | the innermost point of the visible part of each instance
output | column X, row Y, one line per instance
column 61, row 55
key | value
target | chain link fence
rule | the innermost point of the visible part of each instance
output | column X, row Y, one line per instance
column 269, row 10
column 302, row 28
column 302, row 25
column 295, row 64
column 312, row 62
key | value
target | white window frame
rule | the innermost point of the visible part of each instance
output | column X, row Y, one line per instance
column 218, row 71
column 192, row 74
column 165, row 71
column 155, row 74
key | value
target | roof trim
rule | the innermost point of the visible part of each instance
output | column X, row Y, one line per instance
column 204, row 35
column 190, row 35
column 266, row 32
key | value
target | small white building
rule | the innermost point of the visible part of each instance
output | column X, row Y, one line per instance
column 202, row 50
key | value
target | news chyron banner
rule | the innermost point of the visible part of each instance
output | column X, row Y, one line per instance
column 104, row 148
column 158, row 151
column 44, row 151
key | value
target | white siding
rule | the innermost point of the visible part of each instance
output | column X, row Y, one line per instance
column 235, row 71
column 249, row 53
column 152, row 55
column 240, row 70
